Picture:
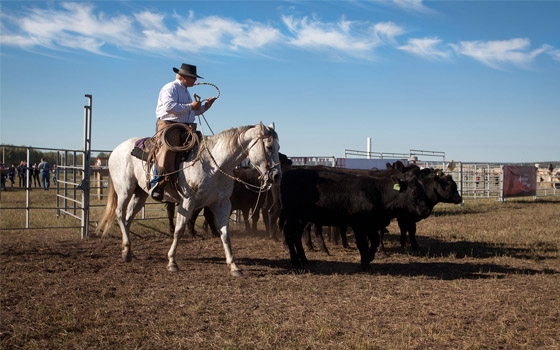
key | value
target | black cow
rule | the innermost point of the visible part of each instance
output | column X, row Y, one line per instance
column 318, row 234
column 246, row 196
column 341, row 231
column 334, row 198
column 271, row 207
column 439, row 188
column 208, row 217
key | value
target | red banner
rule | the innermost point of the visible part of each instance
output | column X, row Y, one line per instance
column 520, row 181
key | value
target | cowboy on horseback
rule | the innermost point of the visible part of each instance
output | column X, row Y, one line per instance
column 175, row 106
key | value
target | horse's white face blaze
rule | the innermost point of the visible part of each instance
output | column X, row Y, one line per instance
column 264, row 155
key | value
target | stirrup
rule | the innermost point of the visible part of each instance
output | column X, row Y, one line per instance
column 157, row 191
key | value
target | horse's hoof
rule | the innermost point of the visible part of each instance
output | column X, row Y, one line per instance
column 172, row 268
column 237, row 273
column 127, row 256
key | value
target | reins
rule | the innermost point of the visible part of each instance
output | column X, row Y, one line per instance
column 246, row 184
column 197, row 98
column 195, row 140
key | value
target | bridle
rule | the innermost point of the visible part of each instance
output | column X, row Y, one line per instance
column 269, row 168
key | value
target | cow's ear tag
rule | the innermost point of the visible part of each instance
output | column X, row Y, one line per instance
column 397, row 187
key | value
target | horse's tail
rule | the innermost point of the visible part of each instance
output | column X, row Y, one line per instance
column 109, row 214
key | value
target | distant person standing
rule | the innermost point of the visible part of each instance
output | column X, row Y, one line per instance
column 22, row 174
column 45, row 168
column 12, row 174
column 3, row 176
column 35, row 173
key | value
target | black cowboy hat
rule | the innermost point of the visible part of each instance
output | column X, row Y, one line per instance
column 188, row 70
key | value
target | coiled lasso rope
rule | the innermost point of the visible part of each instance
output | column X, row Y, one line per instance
column 161, row 138
column 197, row 98
column 204, row 83
column 189, row 143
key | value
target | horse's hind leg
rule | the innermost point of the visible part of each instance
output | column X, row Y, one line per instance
column 133, row 205
column 170, row 208
column 121, row 221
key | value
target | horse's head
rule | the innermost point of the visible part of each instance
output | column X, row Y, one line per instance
column 263, row 154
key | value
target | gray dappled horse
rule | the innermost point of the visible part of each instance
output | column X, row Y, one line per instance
column 204, row 180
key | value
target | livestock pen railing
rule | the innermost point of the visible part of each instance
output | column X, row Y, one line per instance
column 478, row 180
column 77, row 190
column 474, row 181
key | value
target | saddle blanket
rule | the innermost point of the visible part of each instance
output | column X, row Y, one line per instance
column 140, row 150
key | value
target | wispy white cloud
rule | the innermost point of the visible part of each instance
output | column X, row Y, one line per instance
column 73, row 27
column 151, row 21
column 429, row 48
column 79, row 26
column 83, row 27
column 255, row 36
column 412, row 5
column 387, row 32
column 215, row 32
column 555, row 54
column 311, row 33
column 499, row 54
column 353, row 38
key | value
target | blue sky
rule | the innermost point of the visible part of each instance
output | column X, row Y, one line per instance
column 478, row 80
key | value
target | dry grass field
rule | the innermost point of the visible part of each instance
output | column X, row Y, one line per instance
column 487, row 277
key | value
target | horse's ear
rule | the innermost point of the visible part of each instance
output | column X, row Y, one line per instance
column 271, row 126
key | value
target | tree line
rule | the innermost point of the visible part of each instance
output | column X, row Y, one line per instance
column 15, row 154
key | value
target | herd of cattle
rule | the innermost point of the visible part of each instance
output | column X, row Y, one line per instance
column 363, row 200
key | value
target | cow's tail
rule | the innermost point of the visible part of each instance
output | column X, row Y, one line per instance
column 109, row 214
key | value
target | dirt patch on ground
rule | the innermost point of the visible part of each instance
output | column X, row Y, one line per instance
column 487, row 278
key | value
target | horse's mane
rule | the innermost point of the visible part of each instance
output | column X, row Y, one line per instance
column 228, row 137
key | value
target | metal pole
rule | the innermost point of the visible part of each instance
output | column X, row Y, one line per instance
column 86, row 166
column 27, row 184
column 502, row 198
column 462, row 179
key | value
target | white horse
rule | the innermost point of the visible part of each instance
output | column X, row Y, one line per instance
column 205, row 180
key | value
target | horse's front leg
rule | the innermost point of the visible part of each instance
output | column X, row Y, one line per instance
column 221, row 217
column 183, row 215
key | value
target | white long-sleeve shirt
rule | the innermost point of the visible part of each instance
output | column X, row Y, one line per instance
column 174, row 104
